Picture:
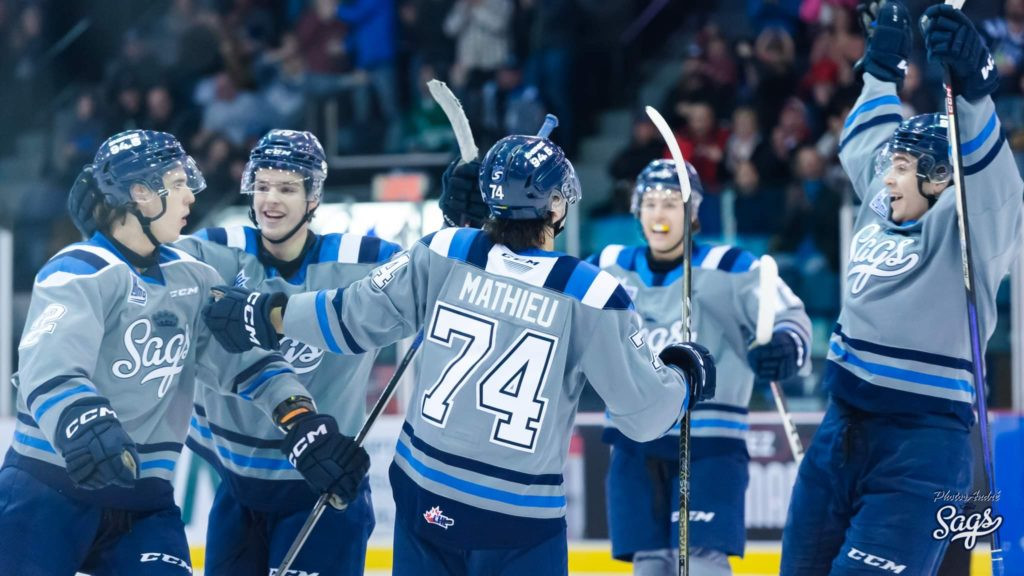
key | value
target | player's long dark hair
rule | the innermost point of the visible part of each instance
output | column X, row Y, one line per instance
column 517, row 234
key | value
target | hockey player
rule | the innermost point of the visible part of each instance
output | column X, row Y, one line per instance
column 895, row 433
column 106, row 379
column 477, row 474
column 643, row 478
column 262, row 501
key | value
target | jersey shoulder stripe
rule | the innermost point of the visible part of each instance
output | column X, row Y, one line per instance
column 243, row 238
column 355, row 249
column 725, row 258
column 76, row 261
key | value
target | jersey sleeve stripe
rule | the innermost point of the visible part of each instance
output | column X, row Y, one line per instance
column 619, row 300
column 460, row 244
column 876, row 121
column 338, row 302
column 56, row 398
column 441, row 241
column 387, row 250
column 894, row 373
column 261, row 380
column 600, row 291
column 162, row 463
column 479, row 249
column 324, row 322
column 254, row 369
column 610, row 256
column 987, row 159
column 903, row 353
column 37, row 443
column 889, row 99
column 974, row 144
column 159, row 447
column 45, row 388
column 369, row 250
column 729, row 259
column 232, row 436
column 348, row 250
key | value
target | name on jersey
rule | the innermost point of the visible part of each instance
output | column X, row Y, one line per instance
column 504, row 298
column 303, row 357
column 163, row 356
column 873, row 253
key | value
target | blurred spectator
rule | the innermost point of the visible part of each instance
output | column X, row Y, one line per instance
column 79, row 136
column 372, row 39
column 510, row 105
column 1005, row 37
column 238, row 115
column 481, row 29
column 810, row 226
column 772, row 73
column 744, row 139
column 421, row 20
column 550, row 63
column 764, row 14
column 215, row 158
column 425, row 128
column 127, row 111
column 134, row 62
column 321, row 39
column 199, row 47
column 162, row 114
column 756, row 207
column 703, row 144
column 645, row 144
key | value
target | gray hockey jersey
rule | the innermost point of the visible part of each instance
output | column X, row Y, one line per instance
column 97, row 327
column 725, row 293
column 510, row 339
column 230, row 432
column 902, row 344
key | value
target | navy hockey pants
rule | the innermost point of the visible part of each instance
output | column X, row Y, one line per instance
column 240, row 540
column 865, row 500
column 44, row 533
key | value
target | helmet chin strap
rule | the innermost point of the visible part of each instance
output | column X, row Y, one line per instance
column 146, row 221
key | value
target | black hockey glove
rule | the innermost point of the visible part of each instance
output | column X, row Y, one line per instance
column 696, row 364
column 82, row 200
column 461, row 202
column 327, row 459
column 97, row 451
column 889, row 42
column 240, row 319
column 952, row 40
column 776, row 360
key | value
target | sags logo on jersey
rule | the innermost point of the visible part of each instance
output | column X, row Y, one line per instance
column 161, row 349
column 436, row 517
column 138, row 294
column 875, row 253
column 303, row 357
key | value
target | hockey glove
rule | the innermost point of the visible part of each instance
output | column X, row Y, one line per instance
column 952, row 40
column 778, row 359
column 889, row 43
column 240, row 319
column 327, row 459
column 97, row 451
column 82, row 200
column 461, row 202
column 696, row 364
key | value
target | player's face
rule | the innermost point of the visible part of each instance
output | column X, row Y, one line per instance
column 178, row 200
column 279, row 200
column 905, row 198
column 661, row 216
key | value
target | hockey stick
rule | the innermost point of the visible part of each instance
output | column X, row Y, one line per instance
column 765, row 323
column 977, row 357
column 684, row 427
column 371, row 419
column 457, row 117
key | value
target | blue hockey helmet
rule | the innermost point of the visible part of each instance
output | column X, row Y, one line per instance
column 140, row 157
column 924, row 137
column 520, row 174
column 291, row 151
column 661, row 176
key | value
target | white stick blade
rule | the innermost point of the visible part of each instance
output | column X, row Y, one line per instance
column 673, row 148
column 766, row 296
column 456, row 117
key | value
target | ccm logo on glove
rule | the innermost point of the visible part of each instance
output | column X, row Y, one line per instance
column 249, row 317
column 305, row 442
column 86, row 417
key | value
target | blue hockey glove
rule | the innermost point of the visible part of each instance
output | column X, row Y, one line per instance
column 461, row 202
column 696, row 364
column 952, row 40
column 97, row 451
column 82, row 200
column 776, row 360
column 889, row 42
column 327, row 459
column 240, row 319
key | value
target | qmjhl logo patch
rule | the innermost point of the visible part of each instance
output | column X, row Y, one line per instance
column 436, row 517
